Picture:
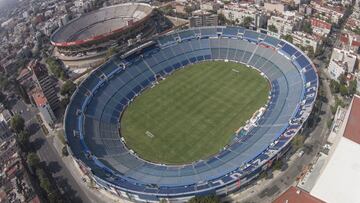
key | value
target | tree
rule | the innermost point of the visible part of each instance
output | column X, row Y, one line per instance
column 53, row 196
column 277, row 164
column 4, row 82
column 297, row 142
column 263, row 175
column 222, row 19
column 272, row 28
column 334, row 86
column 64, row 102
column 2, row 98
column 342, row 79
column 23, row 140
column 188, row 9
column 205, row 199
column 55, row 68
column 33, row 160
column 98, row 3
column 343, row 90
column 68, row 88
column 17, row 123
column 307, row 27
column 45, row 184
column 21, row 91
column 168, row 10
column 41, row 174
column 338, row 102
column 247, row 21
column 288, row 38
column 310, row 51
column 352, row 87
column 44, row 180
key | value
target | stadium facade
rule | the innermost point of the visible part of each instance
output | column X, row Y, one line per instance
column 119, row 26
column 92, row 117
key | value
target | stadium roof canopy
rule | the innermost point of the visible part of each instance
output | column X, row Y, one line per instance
column 340, row 179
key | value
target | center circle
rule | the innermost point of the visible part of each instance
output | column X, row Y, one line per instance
column 193, row 113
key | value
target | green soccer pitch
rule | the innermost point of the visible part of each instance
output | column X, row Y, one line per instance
column 194, row 112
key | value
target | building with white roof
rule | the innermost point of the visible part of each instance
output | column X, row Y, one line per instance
column 334, row 177
column 5, row 117
column 238, row 14
column 327, row 12
column 306, row 40
column 342, row 61
column 275, row 7
column 285, row 24
column 339, row 180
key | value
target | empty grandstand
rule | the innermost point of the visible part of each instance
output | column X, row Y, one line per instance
column 118, row 26
column 92, row 117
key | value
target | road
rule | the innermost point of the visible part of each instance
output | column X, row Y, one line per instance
column 74, row 192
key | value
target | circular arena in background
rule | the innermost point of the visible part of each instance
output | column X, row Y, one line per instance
column 93, row 128
column 84, row 41
column 102, row 24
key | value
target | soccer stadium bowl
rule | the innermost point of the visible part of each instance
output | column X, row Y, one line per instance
column 92, row 117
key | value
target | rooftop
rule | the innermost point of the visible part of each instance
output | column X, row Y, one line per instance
column 295, row 195
column 24, row 73
column 7, row 144
column 320, row 23
column 39, row 98
column 5, row 115
column 340, row 178
column 352, row 129
column 306, row 35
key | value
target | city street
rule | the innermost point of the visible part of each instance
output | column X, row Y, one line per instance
column 55, row 163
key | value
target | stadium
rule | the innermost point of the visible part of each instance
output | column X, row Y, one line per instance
column 92, row 34
column 94, row 119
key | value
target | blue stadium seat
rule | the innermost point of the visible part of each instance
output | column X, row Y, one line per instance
column 288, row 49
column 251, row 35
column 230, row 31
column 271, row 41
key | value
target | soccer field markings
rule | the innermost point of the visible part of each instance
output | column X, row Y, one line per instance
column 216, row 98
column 149, row 134
column 201, row 77
column 236, row 71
